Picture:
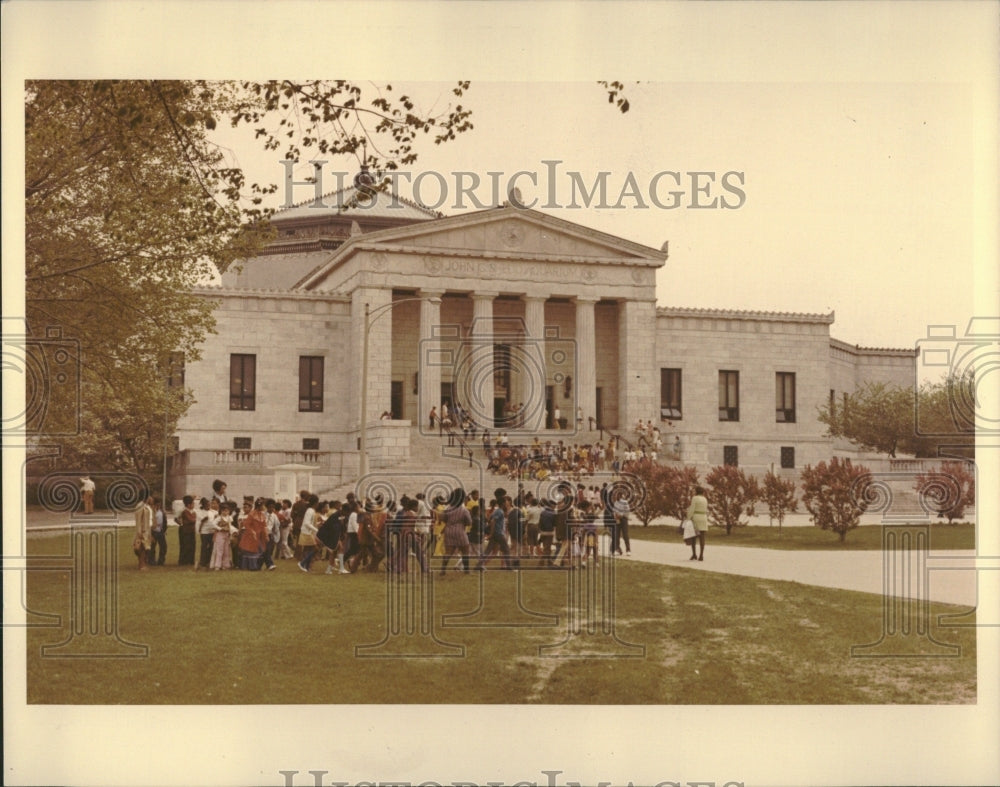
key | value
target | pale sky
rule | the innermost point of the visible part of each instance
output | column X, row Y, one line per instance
column 858, row 197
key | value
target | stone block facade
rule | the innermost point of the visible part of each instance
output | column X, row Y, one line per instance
column 495, row 309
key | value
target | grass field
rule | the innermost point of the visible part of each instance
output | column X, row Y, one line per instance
column 282, row 637
column 942, row 536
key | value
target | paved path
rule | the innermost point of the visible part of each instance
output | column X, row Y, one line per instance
column 860, row 569
column 850, row 570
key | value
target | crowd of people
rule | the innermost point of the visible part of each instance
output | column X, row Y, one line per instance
column 217, row 533
column 464, row 530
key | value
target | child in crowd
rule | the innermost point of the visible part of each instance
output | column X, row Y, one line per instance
column 222, row 553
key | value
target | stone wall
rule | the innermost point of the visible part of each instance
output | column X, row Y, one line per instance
column 701, row 343
column 277, row 328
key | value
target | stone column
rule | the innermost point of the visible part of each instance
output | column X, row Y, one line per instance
column 534, row 376
column 586, row 360
column 429, row 357
column 379, row 352
column 476, row 387
column 638, row 379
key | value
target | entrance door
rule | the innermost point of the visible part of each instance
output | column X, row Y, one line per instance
column 396, row 400
column 550, row 393
column 499, row 416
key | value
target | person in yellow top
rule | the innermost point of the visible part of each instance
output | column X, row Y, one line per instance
column 698, row 513
column 438, row 513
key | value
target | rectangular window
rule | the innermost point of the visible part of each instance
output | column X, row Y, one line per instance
column 730, row 455
column 310, row 443
column 242, row 381
column 175, row 370
column 670, row 395
column 310, row 383
column 242, row 443
column 729, row 396
column 784, row 397
column 787, row 457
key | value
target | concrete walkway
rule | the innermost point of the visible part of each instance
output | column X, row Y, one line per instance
column 860, row 569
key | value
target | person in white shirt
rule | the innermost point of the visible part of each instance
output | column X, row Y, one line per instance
column 205, row 528
column 87, row 489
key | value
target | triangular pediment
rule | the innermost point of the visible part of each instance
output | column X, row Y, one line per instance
column 499, row 233
column 511, row 230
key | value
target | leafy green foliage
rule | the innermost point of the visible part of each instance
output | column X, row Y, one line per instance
column 731, row 496
column 616, row 94
column 834, row 494
column 130, row 204
column 890, row 418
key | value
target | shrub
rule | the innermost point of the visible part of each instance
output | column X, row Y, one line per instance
column 834, row 494
column 732, row 495
column 948, row 490
column 779, row 494
column 678, row 489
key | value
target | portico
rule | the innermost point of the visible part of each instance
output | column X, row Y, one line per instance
column 511, row 314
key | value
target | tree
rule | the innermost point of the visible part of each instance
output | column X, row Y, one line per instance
column 949, row 489
column 834, row 494
column 652, row 501
column 678, row 489
column 732, row 495
column 890, row 418
column 129, row 205
column 667, row 490
column 779, row 494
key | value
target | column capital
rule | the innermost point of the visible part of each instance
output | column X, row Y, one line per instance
column 430, row 293
column 534, row 298
column 586, row 298
column 487, row 295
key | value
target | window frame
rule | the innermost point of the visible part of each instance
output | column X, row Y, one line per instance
column 782, row 382
column 239, row 400
column 671, row 395
column 308, row 379
column 728, row 411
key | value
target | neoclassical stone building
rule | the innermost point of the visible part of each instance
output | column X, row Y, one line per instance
column 515, row 316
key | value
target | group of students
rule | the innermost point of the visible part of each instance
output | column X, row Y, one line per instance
column 352, row 535
column 247, row 536
column 508, row 528
column 542, row 460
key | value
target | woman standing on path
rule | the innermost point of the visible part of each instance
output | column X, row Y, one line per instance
column 698, row 513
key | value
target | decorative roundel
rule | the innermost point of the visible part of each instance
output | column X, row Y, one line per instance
column 558, row 377
column 433, row 264
column 511, row 235
column 558, row 357
column 637, row 276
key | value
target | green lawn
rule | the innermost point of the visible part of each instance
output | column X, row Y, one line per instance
column 942, row 536
column 679, row 637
